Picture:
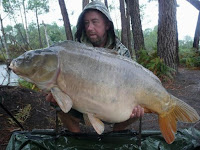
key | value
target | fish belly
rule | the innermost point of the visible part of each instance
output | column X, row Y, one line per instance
column 103, row 85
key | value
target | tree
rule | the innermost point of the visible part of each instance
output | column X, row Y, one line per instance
column 150, row 38
column 25, row 18
column 138, row 37
column 167, row 33
column 55, row 33
column 124, row 37
column 12, row 7
column 106, row 3
column 39, row 7
column 128, row 27
column 46, row 34
column 84, row 3
column 66, row 20
column 196, row 4
column 4, row 39
column 197, row 34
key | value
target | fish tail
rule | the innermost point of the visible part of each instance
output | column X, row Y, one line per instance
column 180, row 112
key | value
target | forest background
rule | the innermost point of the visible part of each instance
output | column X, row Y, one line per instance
column 34, row 24
column 160, row 39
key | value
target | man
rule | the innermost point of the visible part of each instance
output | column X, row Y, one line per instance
column 95, row 28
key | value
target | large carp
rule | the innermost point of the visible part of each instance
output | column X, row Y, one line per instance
column 102, row 85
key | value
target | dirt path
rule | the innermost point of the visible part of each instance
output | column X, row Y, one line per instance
column 186, row 86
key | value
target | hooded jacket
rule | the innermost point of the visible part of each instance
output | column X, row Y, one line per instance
column 113, row 42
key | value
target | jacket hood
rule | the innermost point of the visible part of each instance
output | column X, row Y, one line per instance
column 95, row 5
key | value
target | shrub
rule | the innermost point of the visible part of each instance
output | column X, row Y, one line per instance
column 154, row 63
column 189, row 58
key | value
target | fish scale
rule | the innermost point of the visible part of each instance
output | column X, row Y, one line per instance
column 101, row 85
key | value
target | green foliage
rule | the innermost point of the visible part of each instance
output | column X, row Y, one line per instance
column 22, row 115
column 2, row 56
column 10, row 5
column 186, row 43
column 152, row 62
column 39, row 6
column 150, row 38
column 56, row 33
column 189, row 58
column 28, row 85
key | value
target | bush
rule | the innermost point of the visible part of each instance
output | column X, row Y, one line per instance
column 189, row 58
column 154, row 63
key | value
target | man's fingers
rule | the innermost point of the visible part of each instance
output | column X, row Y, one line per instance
column 50, row 98
column 138, row 111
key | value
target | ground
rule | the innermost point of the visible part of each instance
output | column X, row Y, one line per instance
column 186, row 86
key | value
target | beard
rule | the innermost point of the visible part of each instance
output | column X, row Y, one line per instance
column 98, row 41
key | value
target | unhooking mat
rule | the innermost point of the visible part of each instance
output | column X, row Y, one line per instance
column 186, row 139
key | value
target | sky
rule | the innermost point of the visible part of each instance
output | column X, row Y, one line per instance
column 186, row 15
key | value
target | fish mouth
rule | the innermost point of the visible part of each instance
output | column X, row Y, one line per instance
column 12, row 66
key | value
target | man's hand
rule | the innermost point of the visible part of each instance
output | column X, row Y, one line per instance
column 50, row 98
column 138, row 111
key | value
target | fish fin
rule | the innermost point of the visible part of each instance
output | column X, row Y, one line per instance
column 86, row 120
column 97, row 124
column 179, row 112
column 62, row 99
column 168, row 128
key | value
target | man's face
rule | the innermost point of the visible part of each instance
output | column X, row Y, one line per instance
column 96, row 28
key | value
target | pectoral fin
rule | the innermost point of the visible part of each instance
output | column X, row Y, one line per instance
column 97, row 124
column 86, row 120
column 62, row 99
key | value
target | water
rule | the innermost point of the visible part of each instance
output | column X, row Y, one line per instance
column 4, row 76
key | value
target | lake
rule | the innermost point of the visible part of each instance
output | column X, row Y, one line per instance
column 4, row 76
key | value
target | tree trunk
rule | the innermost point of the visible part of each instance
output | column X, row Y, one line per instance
column 4, row 39
column 106, row 3
column 46, row 34
column 15, row 20
column 26, row 28
column 128, row 28
column 66, row 20
column 138, row 37
column 167, row 33
column 195, row 3
column 197, row 34
column 177, row 46
column 124, row 37
column 38, row 26
column 2, row 43
column 84, row 3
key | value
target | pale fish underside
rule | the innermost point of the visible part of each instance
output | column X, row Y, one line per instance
column 101, row 85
